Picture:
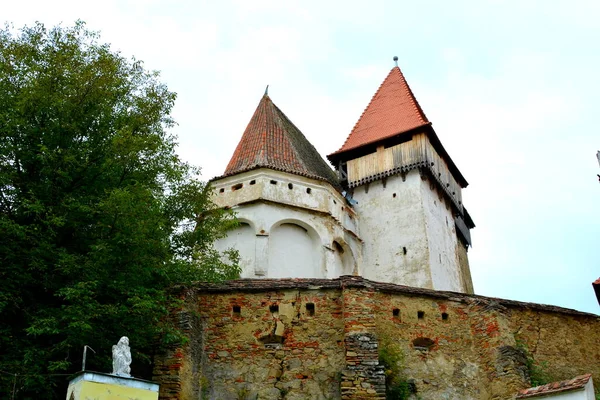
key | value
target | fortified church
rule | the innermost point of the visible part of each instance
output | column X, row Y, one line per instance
column 392, row 211
column 356, row 281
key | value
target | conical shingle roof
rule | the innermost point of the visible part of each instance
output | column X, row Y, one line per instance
column 272, row 141
column 393, row 110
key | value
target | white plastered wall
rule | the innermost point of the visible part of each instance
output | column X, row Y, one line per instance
column 442, row 240
column 392, row 224
column 243, row 239
column 295, row 222
column 303, row 228
column 409, row 233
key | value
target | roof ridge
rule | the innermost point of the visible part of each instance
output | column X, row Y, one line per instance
column 263, row 137
column 367, row 106
column 285, row 118
column 412, row 97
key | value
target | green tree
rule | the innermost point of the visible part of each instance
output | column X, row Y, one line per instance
column 98, row 215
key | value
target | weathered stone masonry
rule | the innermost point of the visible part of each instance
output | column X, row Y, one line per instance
column 319, row 339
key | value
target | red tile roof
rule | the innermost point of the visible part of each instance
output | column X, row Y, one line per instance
column 272, row 141
column 555, row 387
column 393, row 110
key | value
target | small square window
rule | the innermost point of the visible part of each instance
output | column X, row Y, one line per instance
column 310, row 309
column 420, row 314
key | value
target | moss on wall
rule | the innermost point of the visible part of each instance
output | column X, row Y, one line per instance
column 287, row 340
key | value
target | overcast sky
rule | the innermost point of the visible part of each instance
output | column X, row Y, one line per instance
column 511, row 87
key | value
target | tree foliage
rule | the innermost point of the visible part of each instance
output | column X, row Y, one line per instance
column 98, row 215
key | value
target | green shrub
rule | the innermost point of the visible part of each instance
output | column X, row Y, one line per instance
column 391, row 357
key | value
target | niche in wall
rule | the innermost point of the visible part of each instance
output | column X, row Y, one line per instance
column 294, row 251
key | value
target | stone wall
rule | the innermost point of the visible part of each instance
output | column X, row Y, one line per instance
column 318, row 339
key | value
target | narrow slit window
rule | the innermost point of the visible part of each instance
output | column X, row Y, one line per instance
column 222, row 190
column 396, row 313
column 308, row 190
column 273, row 182
column 421, row 314
column 444, row 316
column 310, row 309
column 252, row 182
column 290, row 185
column 237, row 187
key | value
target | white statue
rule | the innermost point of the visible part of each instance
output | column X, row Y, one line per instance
column 121, row 355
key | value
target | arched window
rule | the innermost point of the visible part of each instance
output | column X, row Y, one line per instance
column 294, row 251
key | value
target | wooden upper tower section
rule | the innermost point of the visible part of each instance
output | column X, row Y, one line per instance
column 393, row 136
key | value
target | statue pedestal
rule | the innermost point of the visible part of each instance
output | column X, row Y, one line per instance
column 100, row 386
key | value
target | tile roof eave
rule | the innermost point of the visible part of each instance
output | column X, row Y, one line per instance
column 577, row 383
column 547, row 393
column 335, row 185
column 336, row 153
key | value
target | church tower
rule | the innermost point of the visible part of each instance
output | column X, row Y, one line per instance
column 295, row 223
column 393, row 213
column 412, row 219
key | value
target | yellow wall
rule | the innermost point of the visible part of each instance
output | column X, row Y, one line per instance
column 85, row 390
